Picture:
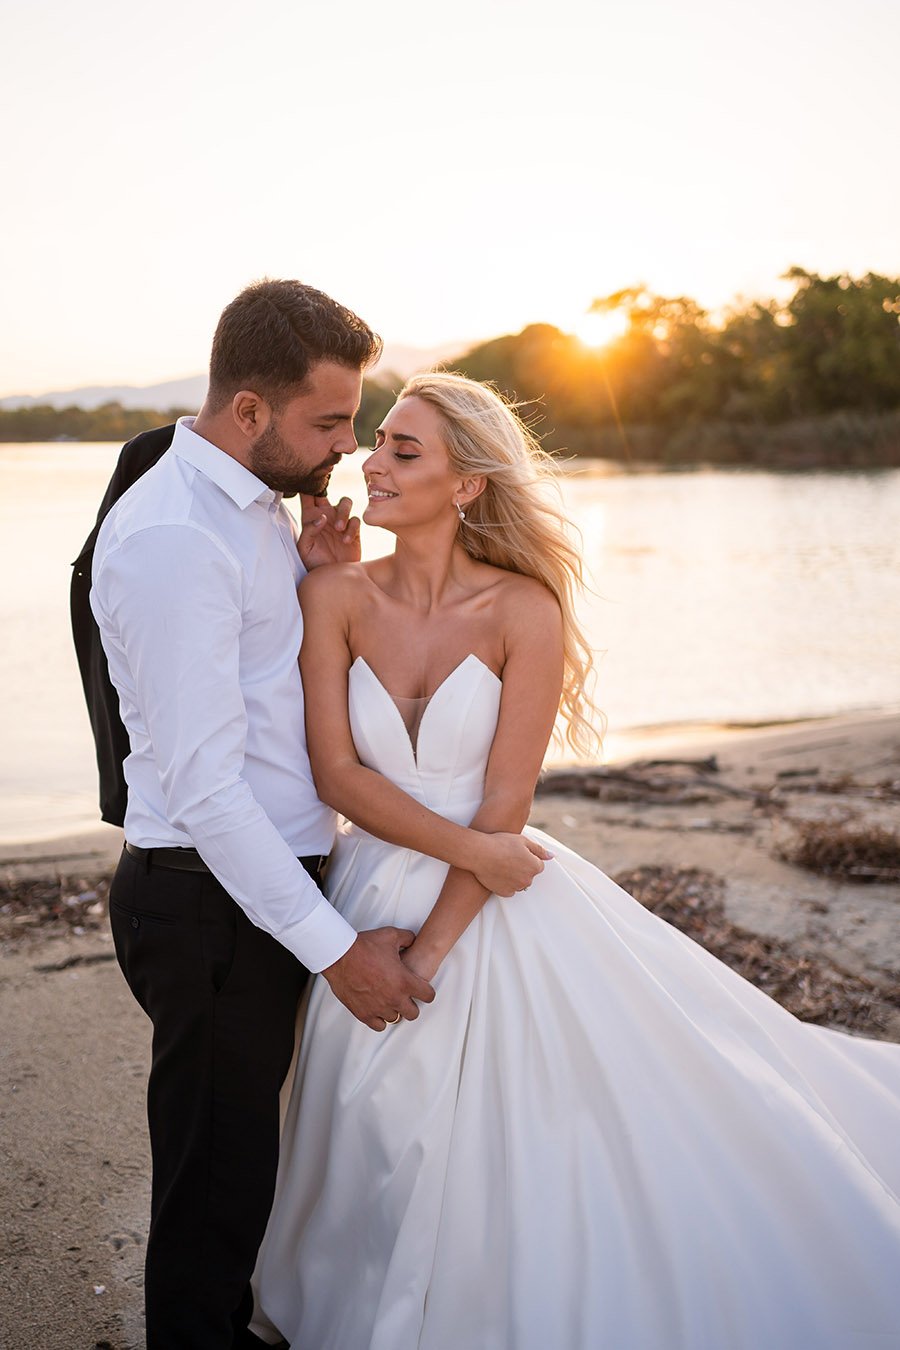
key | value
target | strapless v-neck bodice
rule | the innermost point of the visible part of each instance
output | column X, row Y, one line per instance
column 445, row 770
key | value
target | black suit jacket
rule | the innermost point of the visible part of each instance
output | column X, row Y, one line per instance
column 110, row 736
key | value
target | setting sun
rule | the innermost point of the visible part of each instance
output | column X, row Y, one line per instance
column 599, row 330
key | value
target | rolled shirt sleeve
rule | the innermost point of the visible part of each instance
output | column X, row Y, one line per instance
column 173, row 596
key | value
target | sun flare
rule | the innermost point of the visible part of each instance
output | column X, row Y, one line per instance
column 599, row 330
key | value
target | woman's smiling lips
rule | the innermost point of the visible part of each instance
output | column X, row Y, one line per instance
column 380, row 495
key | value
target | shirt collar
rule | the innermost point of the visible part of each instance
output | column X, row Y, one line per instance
column 242, row 486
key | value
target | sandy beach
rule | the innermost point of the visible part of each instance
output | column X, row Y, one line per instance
column 696, row 821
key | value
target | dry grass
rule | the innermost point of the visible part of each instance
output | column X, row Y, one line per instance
column 813, row 989
column 854, row 851
column 51, row 908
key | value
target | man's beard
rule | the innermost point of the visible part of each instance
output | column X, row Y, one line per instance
column 273, row 462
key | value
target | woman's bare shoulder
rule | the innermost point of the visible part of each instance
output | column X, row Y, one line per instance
column 525, row 596
column 333, row 583
column 524, row 610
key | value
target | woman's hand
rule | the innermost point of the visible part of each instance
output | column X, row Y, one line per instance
column 329, row 534
column 506, row 863
column 422, row 962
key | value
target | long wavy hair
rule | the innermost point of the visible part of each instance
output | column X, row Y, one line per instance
column 517, row 522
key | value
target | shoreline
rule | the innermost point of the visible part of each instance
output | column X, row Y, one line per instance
column 844, row 439
column 701, row 831
column 664, row 738
column 93, row 849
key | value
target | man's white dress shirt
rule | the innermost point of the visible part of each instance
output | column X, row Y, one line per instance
column 195, row 593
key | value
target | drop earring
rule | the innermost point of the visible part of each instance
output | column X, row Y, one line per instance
column 460, row 512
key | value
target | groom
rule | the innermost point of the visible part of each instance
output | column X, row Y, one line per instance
column 215, row 907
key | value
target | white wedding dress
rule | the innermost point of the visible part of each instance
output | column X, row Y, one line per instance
column 597, row 1137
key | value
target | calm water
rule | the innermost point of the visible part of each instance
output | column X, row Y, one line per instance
column 720, row 595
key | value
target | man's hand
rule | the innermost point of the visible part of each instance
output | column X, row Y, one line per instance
column 329, row 534
column 372, row 981
column 505, row 863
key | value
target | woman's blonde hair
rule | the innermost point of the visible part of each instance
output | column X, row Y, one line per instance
column 515, row 523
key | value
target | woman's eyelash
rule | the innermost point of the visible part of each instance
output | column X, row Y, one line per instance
column 400, row 455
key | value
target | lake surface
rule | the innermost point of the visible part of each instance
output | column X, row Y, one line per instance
column 719, row 595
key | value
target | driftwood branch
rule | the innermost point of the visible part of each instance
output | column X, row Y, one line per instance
column 647, row 780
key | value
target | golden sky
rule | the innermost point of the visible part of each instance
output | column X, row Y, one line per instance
column 451, row 171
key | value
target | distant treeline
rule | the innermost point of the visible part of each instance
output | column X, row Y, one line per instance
column 112, row 422
column 811, row 381
column 109, row 422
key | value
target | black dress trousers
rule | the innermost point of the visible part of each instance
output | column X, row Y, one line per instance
column 222, row 996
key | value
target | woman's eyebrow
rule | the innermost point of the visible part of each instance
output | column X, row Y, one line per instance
column 400, row 436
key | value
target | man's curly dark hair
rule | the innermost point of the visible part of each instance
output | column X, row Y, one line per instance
column 274, row 332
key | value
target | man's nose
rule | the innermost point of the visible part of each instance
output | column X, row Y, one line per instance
column 347, row 445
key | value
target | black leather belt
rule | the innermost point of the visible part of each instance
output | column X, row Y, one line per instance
column 179, row 859
column 189, row 860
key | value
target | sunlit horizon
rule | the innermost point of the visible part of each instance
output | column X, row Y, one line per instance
column 452, row 177
column 596, row 331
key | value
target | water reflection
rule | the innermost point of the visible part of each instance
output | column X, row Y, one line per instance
column 715, row 595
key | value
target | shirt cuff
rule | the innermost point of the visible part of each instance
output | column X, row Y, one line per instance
column 320, row 939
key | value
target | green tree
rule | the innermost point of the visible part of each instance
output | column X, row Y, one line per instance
column 842, row 339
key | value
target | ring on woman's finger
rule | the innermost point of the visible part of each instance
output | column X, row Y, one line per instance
column 392, row 1021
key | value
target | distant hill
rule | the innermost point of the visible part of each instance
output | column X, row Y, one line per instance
column 406, row 361
column 186, row 393
column 189, row 392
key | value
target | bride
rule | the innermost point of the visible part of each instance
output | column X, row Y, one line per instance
column 597, row 1137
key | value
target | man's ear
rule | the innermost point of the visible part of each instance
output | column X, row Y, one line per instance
column 470, row 488
column 251, row 413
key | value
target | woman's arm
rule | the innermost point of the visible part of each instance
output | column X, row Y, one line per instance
column 532, row 683
column 503, row 861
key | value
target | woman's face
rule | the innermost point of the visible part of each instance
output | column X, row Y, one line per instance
column 408, row 474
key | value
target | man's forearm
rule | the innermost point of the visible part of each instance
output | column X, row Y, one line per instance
column 258, row 869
